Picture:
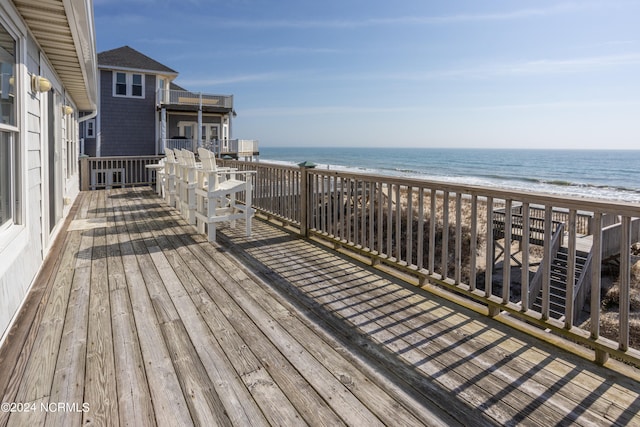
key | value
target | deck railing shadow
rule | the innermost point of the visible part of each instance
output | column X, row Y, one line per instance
column 276, row 272
column 446, row 234
column 410, row 344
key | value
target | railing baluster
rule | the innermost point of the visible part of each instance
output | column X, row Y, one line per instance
column 458, row 247
column 624, row 282
column 526, row 231
column 506, row 264
column 398, row 224
column 432, row 231
column 444, row 264
column 389, row 231
column 488, row 274
column 546, row 264
column 596, row 261
column 356, row 212
column 473, row 245
column 409, row 233
column 372, row 215
column 380, row 220
column 420, row 255
column 342, row 210
column 571, row 271
column 363, row 211
column 349, row 203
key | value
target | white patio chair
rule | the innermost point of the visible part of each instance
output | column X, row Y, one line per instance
column 217, row 193
column 177, row 152
column 161, row 178
column 188, row 166
column 170, row 163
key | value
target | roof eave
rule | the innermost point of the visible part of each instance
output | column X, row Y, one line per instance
column 81, row 23
column 140, row 70
column 64, row 30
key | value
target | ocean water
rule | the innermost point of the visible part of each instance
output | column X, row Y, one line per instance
column 600, row 174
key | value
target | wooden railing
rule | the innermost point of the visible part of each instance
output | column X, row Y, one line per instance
column 234, row 147
column 436, row 232
column 180, row 144
column 242, row 147
column 438, row 235
column 108, row 172
column 184, row 97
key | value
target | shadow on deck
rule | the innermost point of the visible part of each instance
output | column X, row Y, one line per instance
column 145, row 323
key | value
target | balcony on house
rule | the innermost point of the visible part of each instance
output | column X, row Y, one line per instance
column 342, row 308
column 243, row 149
column 200, row 120
column 191, row 101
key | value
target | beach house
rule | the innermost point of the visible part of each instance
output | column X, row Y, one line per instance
column 142, row 111
column 358, row 299
column 48, row 84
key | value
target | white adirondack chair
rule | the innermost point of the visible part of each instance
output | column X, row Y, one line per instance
column 216, row 194
column 188, row 166
column 170, row 163
column 161, row 177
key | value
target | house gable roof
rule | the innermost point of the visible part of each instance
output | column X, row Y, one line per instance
column 128, row 58
column 174, row 86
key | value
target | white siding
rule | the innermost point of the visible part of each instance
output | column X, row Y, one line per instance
column 22, row 256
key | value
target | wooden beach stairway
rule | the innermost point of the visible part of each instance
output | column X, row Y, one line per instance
column 136, row 319
column 558, row 258
column 558, row 282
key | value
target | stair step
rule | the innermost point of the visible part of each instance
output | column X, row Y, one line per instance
column 555, row 311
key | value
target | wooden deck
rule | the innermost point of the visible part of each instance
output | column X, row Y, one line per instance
column 137, row 320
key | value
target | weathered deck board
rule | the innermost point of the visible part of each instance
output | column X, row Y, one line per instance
column 464, row 354
column 169, row 402
column 133, row 394
column 149, row 324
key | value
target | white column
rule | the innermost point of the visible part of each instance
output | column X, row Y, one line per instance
column 163, row 129
column 199, row 130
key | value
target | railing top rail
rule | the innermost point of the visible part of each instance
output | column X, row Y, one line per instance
column 261, row 165
column 127, row 158
column 568, row 202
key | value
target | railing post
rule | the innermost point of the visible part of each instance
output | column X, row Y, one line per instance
column 305, row 196
column 84, row 172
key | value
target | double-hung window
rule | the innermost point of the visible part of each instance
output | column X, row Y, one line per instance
column 90, row 128
column 129, row 85
column 10, row 174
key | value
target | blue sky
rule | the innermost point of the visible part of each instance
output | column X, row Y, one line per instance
column 545, row 74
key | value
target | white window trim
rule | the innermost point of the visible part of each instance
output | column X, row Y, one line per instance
column 88, row 134
column 129, row 82
column 15, row 225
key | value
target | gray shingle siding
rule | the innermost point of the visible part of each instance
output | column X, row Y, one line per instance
column 127, row 125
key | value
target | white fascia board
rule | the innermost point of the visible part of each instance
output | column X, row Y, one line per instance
column 138, row 70
column 81, row 22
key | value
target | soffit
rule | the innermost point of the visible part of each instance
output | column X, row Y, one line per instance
column 66, row 36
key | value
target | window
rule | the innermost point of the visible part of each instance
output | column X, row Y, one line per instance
column 6, row 173
column 128, row 84
column 121, row 84
column 9, row 152
column 136, row 85
column 90, row 129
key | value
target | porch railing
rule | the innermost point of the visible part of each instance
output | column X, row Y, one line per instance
column 234, row 147
column 98, row 173
column 179, row 143
column 184, row 97
column 439, row 236
column 437, row 233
